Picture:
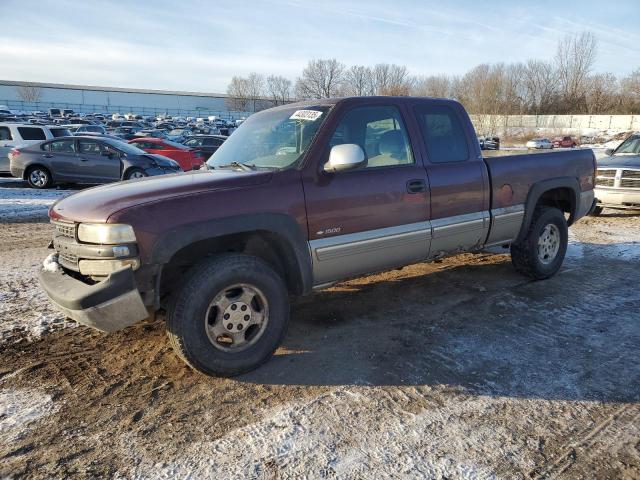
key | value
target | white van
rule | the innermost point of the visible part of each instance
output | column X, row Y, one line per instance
column 14, row 135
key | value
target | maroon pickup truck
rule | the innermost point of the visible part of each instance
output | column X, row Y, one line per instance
column 300, row 197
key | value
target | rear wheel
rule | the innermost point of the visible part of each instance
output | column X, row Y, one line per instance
column 39, row 177
column 541, row 252
column 229, row 316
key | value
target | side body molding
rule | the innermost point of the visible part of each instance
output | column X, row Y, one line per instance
column 284, row 226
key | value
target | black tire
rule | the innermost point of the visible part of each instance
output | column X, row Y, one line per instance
column 596, row 212
column 134, row 173
column 39, row 177
column 187, row 323
column 525, row 254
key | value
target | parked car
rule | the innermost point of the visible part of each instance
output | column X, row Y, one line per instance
column 13, row 135
column 55, row 112
column 88, row 159
column 618, row 177
column 82, row 129
column 489, row 143
column 564, row 142
column 179, row 134
column 300, row 197
column 125, row 133
column 67, row 112
column 207, row 144
column 188, row 158
column 540, row 144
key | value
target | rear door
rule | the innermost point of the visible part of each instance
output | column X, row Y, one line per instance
column 95, row 166
column 375, row 217
column 61, row 155
column 458, row 178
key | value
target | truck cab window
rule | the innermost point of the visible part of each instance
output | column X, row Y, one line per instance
column 443, row 134
column 379, row 131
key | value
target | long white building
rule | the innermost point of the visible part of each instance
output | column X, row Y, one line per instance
column 28, row 96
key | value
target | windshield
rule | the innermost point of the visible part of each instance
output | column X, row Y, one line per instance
column 631, row 146
column 271, row 139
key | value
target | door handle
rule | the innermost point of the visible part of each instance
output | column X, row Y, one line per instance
column 416, row 186
column 47, row 155
column 82, row 159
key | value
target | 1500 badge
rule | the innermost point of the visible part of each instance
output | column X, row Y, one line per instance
column 329, row 231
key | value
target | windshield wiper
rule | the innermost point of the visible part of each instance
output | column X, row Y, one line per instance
column 242, row 166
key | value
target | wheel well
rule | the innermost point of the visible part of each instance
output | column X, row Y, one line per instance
column 562, row 198
column 128, row 169
column 269, row 246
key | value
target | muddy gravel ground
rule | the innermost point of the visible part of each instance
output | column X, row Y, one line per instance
column 455, row 369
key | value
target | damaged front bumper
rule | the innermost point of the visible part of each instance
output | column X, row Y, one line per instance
column 109, row 305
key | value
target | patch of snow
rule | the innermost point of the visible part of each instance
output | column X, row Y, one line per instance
column 19, row 204
column 19, row 409
column 50, row 264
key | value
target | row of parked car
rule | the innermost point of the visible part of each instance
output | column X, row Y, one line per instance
column 90, row 151
column 557, row 142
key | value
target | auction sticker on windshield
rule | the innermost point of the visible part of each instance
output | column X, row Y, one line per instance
column 309, row 115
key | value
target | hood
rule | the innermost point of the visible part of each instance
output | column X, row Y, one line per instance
column 99, row 203
column 161, row 160
column 619, row 161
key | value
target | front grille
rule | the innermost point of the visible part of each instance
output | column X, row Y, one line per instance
column 605, row 182
column 630, row 182
column 631, row 174
column 68, row 260
column 67, row 230
column 605, row 177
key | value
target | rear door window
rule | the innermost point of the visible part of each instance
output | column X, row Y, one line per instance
column 89, row 147
column 443, row 134
column 31, row 133
column 62, row 146
column 5, row 134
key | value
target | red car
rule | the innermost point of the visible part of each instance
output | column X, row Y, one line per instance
column 564, row 142
column 188, row 158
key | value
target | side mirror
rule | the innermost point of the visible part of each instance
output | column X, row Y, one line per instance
column 345, row 157
column 609, row 151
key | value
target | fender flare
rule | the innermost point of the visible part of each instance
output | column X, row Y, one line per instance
column 538, row 189
column 283, row 226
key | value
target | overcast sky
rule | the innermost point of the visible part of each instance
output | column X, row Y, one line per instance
column 200, row 45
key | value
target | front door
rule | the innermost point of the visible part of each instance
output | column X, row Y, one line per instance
column 374, row 217
column 94, row 163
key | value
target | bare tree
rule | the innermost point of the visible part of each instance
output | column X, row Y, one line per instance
column 630, row 92
column 390, row 79
column 320, row 79
column 433, row 86
column 575, row 57
column 238, row 94
column 602, row 93
column 255, row 90
column 29, row 93
column 357, row 81
column 279, row 89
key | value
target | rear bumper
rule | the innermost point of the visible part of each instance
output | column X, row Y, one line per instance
column 112, row 304
column 618, row 198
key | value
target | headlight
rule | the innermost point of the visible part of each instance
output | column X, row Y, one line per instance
column 109, row 233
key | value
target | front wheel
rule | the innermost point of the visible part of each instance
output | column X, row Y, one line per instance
column 596, row 212
column 229, row 316
column 134, row 173
column 541, row 252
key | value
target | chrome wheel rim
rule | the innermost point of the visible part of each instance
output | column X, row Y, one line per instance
column 38, row 178
column 548, row 244
column 237, row 317
column 136, row 175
